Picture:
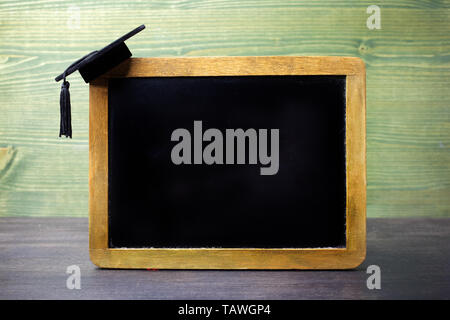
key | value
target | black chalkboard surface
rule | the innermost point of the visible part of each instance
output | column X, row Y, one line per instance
column 153, row 202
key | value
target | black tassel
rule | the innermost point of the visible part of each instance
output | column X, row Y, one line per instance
column 65, row 126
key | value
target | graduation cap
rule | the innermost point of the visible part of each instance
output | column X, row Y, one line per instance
column 90, row 67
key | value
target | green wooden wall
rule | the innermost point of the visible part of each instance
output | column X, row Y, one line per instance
column 408, row 85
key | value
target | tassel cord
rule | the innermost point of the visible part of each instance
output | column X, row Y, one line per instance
column 65, row 125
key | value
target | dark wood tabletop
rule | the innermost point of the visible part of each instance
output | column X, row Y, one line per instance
column 413, row 255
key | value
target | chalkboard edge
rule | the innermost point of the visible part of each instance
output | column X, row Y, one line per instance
column 322, row 258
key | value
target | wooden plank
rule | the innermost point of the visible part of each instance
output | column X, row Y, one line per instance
column 98, row 168
column 408, row 76
column 413, row 255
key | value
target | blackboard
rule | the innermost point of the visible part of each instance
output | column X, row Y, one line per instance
column 298, row 201
column 156, row 203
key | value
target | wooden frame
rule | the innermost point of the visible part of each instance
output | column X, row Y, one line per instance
column 206, row 258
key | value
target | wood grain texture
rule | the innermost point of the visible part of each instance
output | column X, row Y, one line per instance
column 408, row 81
column 413, row 254
column 224, row 258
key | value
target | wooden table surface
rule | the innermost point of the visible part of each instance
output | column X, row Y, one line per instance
column 413, row 254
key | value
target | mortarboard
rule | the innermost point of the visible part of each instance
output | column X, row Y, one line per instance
column 90, row 67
